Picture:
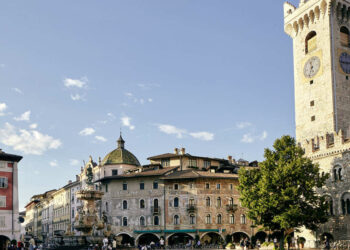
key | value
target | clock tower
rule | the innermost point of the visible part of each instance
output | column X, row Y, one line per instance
column 321, row 50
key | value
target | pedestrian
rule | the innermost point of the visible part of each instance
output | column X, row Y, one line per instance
column 161, row 242
column 114, row 244
column 31, row 244
column 327, row 245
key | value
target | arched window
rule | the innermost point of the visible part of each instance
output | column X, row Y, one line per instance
column 218, row 202
column 243, row 219
column 142, row 221
column 344, row 36
column 329, row 203
column 156, row 220
column 191, row 202
column 230, row 201
column 232, row 219
column 207, row 201
column 142, row 203
column 310, row 42
column 176, row 202
column 125, row 222
column 219, row 219
column 208, row 219
column 192, row 219
column 176, row 220
column 155, row 203
column 345, row 203
column 337, row 173
column 125, row 204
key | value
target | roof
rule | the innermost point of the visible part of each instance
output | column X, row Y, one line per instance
column 120, row 156
column 149, row 173
column 9, row 157
column 195, row 174
column 170, row 155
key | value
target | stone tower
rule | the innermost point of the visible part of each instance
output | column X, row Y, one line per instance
column 321, row 49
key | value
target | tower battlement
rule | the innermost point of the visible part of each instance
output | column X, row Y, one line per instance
column 326, row 145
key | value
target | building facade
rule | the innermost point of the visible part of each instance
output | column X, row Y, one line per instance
column 9, row 214
column 320, row 33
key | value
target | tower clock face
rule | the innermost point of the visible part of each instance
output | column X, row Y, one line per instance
column 312, row 66
column 344, row 61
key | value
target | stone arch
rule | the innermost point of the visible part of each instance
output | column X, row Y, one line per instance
column 306, row 20
column 312, row 16
column 317, row 12
column 211, row 238
column 345, row 203
column 261, row 236
column 301, row 23
column 147, row 238
column 239, row 235
column 124, row 238
column 179, row 238
column 330, row 203
column 295, row 28
column 337, row 172
column 328, row 235
column 4, row 241
column 311, row 35
column 323, row 7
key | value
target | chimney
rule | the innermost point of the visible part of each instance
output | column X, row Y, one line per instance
column 229, row 158
column 70, row 181
column 183, row 151
column 176, row 151
column 77, row 178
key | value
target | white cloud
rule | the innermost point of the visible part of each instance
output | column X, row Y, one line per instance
column 87, row 131
column 53, row 163
column 242, row 125
column 111, row 116
column 100, row 138
column 17, row 90
column 27, row 142
column 150, row 100
column 3, row 107
column 147, row 85
column 170, row 129
column 23, row 117
column 128, row 94
column 2, row 65
column 263, row 136
column 76, row 97
column 74, row 162
column 248, row 138
column 126, row 122
column 78, row 83
column 205, row 136
column 33, row 126
column 142, row 101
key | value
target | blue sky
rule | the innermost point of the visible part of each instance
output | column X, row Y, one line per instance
column 215, row 77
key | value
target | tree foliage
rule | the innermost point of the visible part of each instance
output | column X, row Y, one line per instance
column 281, row 193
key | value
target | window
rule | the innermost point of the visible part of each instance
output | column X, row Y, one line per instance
column 155, row 185
column 2, row 201
column 107, row 207
column 208, row 219
column 176, row 202
column 207, row 201
column 207, row 185
column 243, row 219
column 206, row 164
column 311, row 82
column 218, row 202
column 125, row 204
column 3, row 182
column 106, row 188
column 165, row 162
column 191, row 185
column 142, row 221
column 125, row 222
column 142, row 186
column 192, row 163
column 232, row 219
column 156, row 220
column 310, row 42
column 176, row 186
column 337, row 173
column 218, row 186
column 114, row 172
column 155, row 203
column 230, row 201
column 176, row 220
column 125, row 186
column 312, row 103
column 219, row 219
column 313, row 118
column 10, row 165
column 191, row 202
column 142, row 203
column 231, row 186
column 345, row 203
column 344, row 36
column 2, row 164
column 192, row 219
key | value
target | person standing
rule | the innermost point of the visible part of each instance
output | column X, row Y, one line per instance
column 31, row 244
column 161, row 242
column 114, row 244
column 327, row 245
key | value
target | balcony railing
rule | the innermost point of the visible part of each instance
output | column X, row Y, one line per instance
column 155, row 210
column 191, row 208
column 231, row 208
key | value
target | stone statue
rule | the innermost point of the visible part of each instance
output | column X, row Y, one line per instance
column 89, row 175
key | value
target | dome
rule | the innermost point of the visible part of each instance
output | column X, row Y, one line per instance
column 120, row 156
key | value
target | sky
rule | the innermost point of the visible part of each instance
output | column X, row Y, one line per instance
column 214, row 77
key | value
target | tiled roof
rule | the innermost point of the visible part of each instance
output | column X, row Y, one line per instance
column 194, row 174
column 9, row 157
column 170, row 155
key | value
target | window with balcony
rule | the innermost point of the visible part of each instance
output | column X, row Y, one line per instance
column 230, row 201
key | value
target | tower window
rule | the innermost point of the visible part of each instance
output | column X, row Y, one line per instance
column 313, row 118
column 344, row 36
column 310, row 42
column 312, row 103
column 311, row 82
column 347, row 77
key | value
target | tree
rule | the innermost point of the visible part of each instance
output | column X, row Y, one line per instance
column 281, row 194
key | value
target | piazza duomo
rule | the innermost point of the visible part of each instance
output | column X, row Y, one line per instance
column 179, row 197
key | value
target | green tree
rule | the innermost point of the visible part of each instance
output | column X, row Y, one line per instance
column 281, row 194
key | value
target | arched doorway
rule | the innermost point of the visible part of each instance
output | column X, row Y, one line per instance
column 276, row 235
column 211, row 238
column 179, row 239
column 146, row 239
column 4, row 241
column 328, row 235
column 261, row 236
column 124, row 239
column 238, row 236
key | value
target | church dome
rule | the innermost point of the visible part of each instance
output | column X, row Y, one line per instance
column 120, row 156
